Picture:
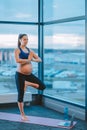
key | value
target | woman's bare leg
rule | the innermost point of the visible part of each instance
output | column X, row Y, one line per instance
column 21, row 108
column 30, row 84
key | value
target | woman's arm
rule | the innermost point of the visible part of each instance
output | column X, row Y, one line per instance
column 19, row 60
column 34, row 57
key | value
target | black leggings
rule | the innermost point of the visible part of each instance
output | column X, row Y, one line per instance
column 20, row 83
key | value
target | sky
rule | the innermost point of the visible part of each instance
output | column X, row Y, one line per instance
column 19, row 10
column 58, row 9
column 66, row 35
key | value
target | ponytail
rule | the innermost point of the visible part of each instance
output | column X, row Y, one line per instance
column 19, row 43
column 19, row 38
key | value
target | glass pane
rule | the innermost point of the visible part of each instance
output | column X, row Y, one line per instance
column 8, row 42
column 19, row 10
column 58, row 9
column 64, row 66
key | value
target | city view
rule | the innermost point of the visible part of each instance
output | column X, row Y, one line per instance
column 64, row 75
column 56, row 30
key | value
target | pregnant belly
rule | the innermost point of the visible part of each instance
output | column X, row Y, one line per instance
column 26, row 69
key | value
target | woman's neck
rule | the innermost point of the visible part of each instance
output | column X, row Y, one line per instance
column 23, row 47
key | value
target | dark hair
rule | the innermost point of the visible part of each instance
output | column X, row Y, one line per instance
column 19, row 37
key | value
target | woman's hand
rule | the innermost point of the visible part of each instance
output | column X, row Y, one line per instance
column 34, row 57
column 37, row 60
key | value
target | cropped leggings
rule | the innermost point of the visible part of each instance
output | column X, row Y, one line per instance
column 20, row 83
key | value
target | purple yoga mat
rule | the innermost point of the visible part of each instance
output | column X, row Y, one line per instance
column 34, row 120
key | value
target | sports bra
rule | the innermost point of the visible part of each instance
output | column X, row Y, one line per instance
column 24, row 55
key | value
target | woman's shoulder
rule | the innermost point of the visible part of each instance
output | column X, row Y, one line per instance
column 32, row 52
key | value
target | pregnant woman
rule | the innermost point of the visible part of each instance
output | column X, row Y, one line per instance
column 24, row 77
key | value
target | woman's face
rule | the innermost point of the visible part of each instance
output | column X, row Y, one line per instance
column 24, row 40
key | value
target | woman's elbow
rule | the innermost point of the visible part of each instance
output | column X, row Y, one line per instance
column 17, row 61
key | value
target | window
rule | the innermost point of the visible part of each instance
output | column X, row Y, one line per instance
column 59, row 9
column 8, row 42
column 19, row 10
column 64, row 45
column 64, row 64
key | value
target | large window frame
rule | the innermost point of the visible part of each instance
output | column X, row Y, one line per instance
column 66, row 20
column 41, row 25
column 20, row 23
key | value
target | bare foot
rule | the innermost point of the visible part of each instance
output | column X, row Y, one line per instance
column 24, row 118
column 25, row 86
column 30, row 84
column 36, row 85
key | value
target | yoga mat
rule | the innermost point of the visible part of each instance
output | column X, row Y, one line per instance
column 34, row 120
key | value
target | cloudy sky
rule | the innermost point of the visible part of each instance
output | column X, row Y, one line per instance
column 65, row 35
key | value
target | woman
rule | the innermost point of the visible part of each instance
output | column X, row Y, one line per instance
column 24, row 76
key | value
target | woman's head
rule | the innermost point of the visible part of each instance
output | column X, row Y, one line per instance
column 22, row 39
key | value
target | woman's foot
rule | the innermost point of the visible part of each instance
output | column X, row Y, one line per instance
column 24, row 118
column 35, row 85
column 25, row 86
column 30, row 84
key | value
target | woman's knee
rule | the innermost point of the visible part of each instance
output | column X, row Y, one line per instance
column 20, row 100
column 42, row 86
